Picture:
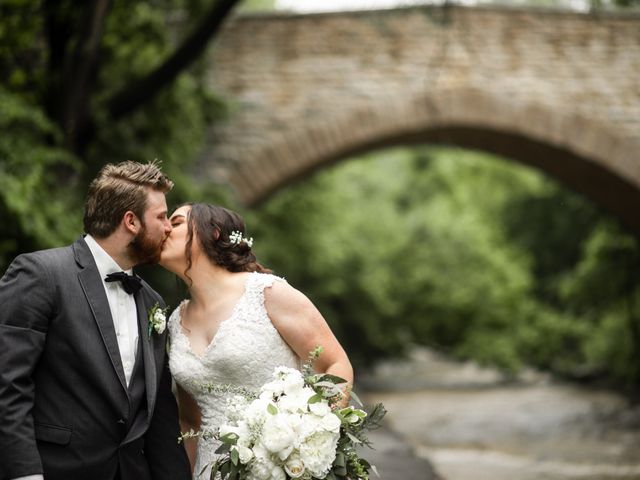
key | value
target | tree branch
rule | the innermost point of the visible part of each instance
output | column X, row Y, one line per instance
column 140, row 91
column 58, row 32
column 80, row 75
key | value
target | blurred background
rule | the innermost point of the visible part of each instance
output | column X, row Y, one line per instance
column 455, row 186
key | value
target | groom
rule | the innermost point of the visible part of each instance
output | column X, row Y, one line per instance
column 84, row 384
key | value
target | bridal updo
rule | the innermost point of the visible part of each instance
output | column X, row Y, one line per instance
column 221, row 235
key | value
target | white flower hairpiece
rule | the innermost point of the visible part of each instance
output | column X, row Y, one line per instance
column 236, row 238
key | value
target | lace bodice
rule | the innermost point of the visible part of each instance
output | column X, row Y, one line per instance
column 244, row 352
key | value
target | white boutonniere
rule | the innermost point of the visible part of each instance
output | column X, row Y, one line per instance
column 157, row 319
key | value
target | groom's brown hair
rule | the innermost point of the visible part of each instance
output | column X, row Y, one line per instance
column 118, row 189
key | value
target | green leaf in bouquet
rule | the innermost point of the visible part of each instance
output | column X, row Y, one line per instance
column 329, row 389
column 312, row 379
column 327, row 377
column 224, row 448
column 234, row 456
column 353, row 438
column 331, row 476
column 340, row 465
column 340, row 471
column 315, row 398
column 225, row 469
column 234, row 472
column 352, row 415
column 355, row 397
column 229, row 438
column 271, row 408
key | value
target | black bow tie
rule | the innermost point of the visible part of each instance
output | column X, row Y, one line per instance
column 130, row 283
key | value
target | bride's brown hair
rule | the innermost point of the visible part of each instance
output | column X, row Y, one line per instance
column 214, row 225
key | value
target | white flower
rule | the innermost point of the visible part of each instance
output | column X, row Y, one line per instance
column 236, row 237
column 277, row 473
column 281, row 436
column 331, row 422
column 261, row 467
column 318, row 452
column 277, row 434
column 157, row 319
column 294, row 466
column 293, row 384
column 320, row 408
column 297, row 401
column 244, row 453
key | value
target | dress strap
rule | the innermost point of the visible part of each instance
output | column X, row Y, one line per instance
column 255, row 287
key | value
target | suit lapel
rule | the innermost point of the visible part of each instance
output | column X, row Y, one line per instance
column 97, row 298
column 147, row 351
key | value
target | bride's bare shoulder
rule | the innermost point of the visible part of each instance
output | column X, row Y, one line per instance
column 282, row 298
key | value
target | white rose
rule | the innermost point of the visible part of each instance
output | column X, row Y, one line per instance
column 310, row 425
column 277, row 473
column 245, row 454
column 294, row 467
column 331, row 422
column 320, row 408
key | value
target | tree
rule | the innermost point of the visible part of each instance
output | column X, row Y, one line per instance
column 71, row 52
column 83, row 84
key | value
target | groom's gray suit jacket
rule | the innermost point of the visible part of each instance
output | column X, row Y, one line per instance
column 65, row 408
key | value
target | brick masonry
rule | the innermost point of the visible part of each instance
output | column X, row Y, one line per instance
column 553, row 89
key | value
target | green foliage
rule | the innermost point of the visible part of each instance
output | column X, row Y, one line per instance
column 42, row 184
column 461, row 251
column 21, row 53
column 37, row 181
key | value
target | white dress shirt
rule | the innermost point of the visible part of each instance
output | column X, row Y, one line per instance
column 122, row 306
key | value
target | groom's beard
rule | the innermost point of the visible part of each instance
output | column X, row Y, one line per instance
column 144, row 249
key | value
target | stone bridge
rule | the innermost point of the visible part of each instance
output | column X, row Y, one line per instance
column 553, row 89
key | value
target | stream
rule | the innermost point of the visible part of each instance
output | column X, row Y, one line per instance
column 472, row 423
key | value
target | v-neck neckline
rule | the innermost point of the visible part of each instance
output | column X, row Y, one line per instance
column 181, row 329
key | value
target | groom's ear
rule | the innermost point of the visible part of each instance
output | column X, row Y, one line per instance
column 131, row 222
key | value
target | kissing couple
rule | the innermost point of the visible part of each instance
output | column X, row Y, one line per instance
column 85, row 371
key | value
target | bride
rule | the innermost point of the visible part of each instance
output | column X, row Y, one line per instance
column 238, row 325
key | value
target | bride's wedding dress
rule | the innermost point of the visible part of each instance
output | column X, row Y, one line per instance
column 244, row 352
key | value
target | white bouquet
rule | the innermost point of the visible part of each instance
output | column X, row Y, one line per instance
column 294, row 429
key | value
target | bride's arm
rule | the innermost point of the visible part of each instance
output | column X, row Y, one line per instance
column 302, row 326
column 189, row 420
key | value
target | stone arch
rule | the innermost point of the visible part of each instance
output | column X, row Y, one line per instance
column 586, row 155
